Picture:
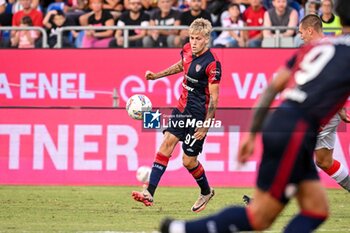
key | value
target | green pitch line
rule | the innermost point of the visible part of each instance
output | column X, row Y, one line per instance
column 111, row 209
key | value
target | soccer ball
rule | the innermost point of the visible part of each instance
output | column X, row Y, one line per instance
column 143, row 173
column 137, row 104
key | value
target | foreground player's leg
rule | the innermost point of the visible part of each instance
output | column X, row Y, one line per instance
column 331, row 166
column 198, row 174
column 314, row 208
column 233, row 219
column 159, row 166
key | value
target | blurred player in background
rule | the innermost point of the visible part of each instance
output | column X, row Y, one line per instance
column 198, row 101
column 310, row 29
column 289, row 137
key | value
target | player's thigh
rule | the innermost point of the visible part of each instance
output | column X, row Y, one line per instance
column 264, row 209
column 312, row 197
column 168, row 144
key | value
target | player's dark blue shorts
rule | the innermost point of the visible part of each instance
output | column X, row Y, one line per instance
column 178, row 127
column 288, row 145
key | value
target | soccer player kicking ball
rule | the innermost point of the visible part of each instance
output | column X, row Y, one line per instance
column 198, row 102
column 289, row 136
column 310, row 29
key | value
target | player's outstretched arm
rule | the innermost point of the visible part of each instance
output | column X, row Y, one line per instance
column 174, row 69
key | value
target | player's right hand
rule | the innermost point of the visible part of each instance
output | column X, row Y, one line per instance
column 149, row 75
column 246, row 148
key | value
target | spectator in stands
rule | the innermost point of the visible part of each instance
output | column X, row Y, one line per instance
column 17, row 6
column 35, row 15
column 225, row 12
column 329, row 20
column 135, row 16
column 147, row 5
column 57, row 19
column 231, row 38
column 280, row 15
column 184, row 5
column 253, row 16
column 187, row 17
column 25, row 38
column 164, row 16
column 114, row 6
column 5, row 17
column 99, row 17
column 216, row 9
column 312, row 7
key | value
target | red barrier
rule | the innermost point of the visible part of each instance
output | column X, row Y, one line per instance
column 88, row 77
column 105, row 147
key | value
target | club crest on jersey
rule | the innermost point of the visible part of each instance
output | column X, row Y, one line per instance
column 198, row 67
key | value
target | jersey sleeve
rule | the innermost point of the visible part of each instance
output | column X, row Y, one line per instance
column 214, row 72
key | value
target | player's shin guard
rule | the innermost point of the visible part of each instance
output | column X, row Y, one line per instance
column 198, row 174
column 340, row 174
column 232, row 219
column 305, row 222
column 159, row 166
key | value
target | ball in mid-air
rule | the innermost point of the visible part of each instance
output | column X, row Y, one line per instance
column 143, row 174
column 137, row 104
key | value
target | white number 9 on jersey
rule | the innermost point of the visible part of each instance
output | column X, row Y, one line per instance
column 313, row 63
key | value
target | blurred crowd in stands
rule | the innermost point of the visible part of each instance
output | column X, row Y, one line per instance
column 235, row 14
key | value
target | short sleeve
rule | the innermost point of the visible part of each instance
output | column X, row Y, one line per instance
column 214, row 72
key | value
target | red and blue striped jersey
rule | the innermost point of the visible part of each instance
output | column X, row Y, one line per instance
column 199, row 72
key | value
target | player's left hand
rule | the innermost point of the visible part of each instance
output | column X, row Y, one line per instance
column 344, row 115
column 246, row 148
column 200, row 133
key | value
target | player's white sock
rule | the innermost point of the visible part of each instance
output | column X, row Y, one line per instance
column 340, row 174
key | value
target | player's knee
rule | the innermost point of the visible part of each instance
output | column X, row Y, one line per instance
column 261, row 223
column 259, row 219
column 323, row 164
column 189, row 163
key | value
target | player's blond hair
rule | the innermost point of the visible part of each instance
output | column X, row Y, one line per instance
column 202, row 26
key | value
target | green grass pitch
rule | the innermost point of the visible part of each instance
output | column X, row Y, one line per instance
column 111, row 209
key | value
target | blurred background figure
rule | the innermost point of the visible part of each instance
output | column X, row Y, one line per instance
column 329, row 19
column 280, row 15
column 135, row 16
column 164, row 16
column 26, row 38
column 184, row 5
column 99, row 17
column 5, row 16
column 28, row 10
column 35, row 16
column 231, row 38
column 147, row 5
column 312, row 7
column 54, row 20
column 187, row 17
column 253, row 16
